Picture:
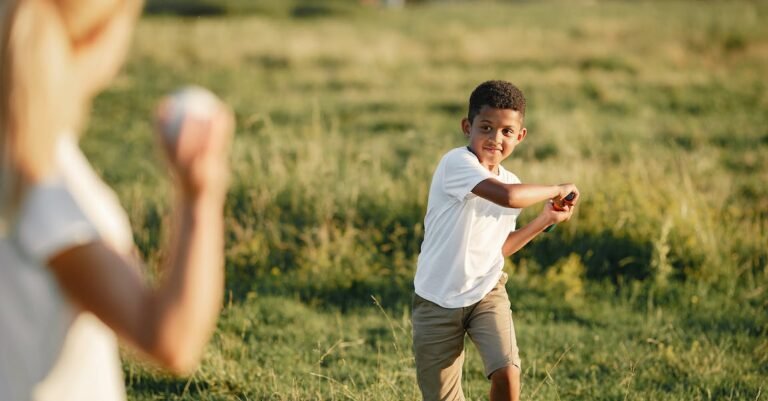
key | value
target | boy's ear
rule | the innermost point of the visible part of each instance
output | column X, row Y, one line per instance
column 522, row 134
column 465, row 126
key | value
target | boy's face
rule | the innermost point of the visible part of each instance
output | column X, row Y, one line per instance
column 493, row 134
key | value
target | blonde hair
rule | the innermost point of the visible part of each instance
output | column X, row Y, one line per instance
column 34, row 87
column 38, row 97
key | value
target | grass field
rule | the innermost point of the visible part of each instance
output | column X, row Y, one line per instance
column 657, row 289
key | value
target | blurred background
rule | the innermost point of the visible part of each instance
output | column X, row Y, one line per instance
column 658, row 110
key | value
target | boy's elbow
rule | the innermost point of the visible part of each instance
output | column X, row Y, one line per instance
column 512, row 199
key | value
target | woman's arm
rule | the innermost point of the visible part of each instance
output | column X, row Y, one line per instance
column 172, row 322
column 59, row 74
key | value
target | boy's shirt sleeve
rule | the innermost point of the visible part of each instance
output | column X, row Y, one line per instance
column 462, row 173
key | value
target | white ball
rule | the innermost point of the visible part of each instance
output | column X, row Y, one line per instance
column 188, row 102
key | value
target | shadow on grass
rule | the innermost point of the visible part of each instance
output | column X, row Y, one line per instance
column 547, row 306
column 169, row 385
column 733, row 320
column 379, row 259
column 194, row 8
column 605, row 255
column 607, row 258
column 358, row 295
column 299, row 9
column 147, row 384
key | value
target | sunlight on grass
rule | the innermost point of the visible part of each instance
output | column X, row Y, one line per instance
column 657, row 289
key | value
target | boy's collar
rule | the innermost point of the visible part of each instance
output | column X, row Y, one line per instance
column 498, row 168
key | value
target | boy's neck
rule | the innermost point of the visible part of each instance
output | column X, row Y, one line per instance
column 492, row 168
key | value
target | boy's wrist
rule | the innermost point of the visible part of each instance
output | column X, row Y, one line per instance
column 562, row 192
column 543, row 221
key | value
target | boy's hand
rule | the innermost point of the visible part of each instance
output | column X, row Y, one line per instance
column 563, row 199
column 554, row 213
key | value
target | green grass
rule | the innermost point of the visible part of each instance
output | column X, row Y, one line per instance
column 629, row 349
column 657, row 110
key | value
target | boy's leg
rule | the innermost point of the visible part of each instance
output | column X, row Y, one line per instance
column 438, row 347
column 491, row 329
column 505, row 384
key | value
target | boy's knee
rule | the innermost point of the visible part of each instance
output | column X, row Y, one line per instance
column 506, row 376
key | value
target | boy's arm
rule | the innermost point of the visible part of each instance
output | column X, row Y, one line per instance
column 550, row 215
column 522, row 195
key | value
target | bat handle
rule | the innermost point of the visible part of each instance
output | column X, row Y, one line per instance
column 568, row 197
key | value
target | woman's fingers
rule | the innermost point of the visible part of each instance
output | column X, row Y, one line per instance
column 197, row 145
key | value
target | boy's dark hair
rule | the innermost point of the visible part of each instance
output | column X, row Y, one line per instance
column 496, row 94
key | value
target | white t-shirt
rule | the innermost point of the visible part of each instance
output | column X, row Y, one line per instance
column 461, row 259
column 49, row 349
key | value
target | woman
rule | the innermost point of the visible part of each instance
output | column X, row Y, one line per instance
column 68, row 277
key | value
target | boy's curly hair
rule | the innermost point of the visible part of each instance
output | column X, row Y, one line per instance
column 497, row 94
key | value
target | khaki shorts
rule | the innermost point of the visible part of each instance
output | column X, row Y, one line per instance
column 438, row 341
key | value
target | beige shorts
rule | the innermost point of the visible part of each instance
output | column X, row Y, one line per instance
column 438, row 341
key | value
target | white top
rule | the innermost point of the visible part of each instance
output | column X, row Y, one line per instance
column 50, row 350
column 461, row 260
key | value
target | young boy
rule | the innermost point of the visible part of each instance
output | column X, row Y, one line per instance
column 469, row 230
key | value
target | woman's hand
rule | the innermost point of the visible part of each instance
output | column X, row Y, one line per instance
column 198, row 154
column 82, row 17
column 99, row 32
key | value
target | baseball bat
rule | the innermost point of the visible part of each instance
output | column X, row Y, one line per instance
column 569, row 198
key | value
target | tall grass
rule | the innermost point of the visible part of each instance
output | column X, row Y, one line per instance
column 657, row 110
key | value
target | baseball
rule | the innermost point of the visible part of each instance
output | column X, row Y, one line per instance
column 188, row 102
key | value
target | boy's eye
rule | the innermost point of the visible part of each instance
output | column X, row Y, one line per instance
column 485, row 128
column 507, row 132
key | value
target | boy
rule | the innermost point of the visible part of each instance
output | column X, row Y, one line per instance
column 469, row 230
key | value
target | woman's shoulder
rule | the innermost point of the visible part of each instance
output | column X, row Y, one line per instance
column 70, row 207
